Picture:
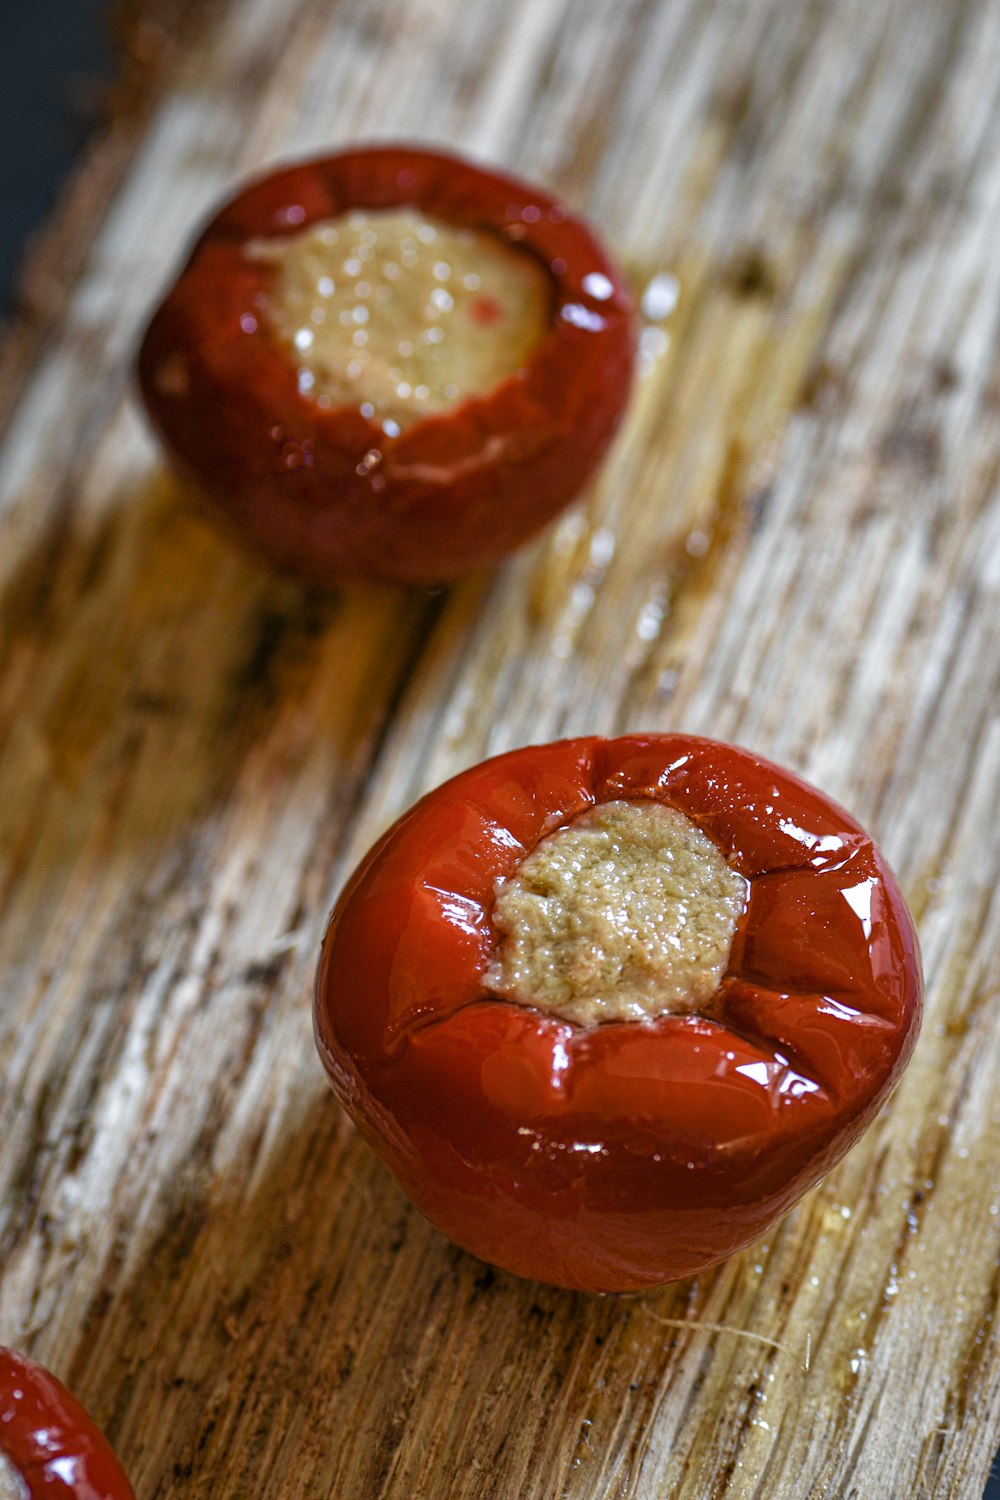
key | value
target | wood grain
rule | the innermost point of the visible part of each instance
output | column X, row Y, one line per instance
column 795, row 545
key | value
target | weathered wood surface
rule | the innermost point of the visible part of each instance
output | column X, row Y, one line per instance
column 796, row 545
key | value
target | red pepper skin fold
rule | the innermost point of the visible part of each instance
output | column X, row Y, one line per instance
column 297, row 483
column 633, row 1153
column 52, row 1443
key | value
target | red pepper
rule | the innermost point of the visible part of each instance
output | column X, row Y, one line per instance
column 50, row 1441
column 325, row 493
column 631, row 1153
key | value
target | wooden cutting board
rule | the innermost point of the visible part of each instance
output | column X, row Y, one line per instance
column 795, row 545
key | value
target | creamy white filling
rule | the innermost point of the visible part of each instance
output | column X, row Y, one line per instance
column 400, row 314
column 627, row 913
column 12, row 1484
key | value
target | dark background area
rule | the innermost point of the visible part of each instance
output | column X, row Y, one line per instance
column 56, row 62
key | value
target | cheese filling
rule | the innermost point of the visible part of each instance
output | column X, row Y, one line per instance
column 400, row 314
column 627, row 913
column 12, row 1485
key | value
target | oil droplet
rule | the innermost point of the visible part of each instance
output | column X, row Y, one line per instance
column 647, row 627
column 653, row 344
column 661, row 296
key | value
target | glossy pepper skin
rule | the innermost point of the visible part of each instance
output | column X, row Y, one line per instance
column 457, row 490
column 50, row 1440
column 631, row 1153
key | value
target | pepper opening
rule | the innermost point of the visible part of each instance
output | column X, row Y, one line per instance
column 626, row 913
column 401, row 314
